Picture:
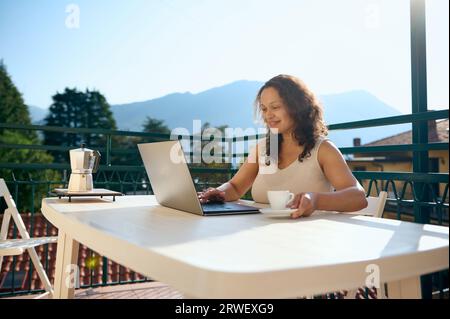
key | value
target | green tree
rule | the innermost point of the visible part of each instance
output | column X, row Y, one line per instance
column 12, row 107
column 152, row 125
column 205, row 180
column 14, row 111
column 76, row 109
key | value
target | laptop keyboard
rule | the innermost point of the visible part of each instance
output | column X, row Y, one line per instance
column 216, row 206
column 226, row 207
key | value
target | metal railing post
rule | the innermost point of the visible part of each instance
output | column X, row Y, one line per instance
column 419, row 104
column 108, row 149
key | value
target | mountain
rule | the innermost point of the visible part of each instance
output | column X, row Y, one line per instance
column 37, row 114
column 226, row 105
column 356, row 106
column 232, row 105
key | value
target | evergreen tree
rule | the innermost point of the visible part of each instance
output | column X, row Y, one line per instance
column 14, row 111
column 152, row 125
column 12, row 107
column 75, row 109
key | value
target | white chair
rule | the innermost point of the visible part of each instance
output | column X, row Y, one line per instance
column 375, row 208
column 11, row 247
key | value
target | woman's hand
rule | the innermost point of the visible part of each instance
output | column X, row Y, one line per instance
column 305, row 203
column 211, row 195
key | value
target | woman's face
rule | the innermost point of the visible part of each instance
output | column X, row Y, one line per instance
column 274, row 112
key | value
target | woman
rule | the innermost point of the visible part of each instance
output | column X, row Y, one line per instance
column 307, row 163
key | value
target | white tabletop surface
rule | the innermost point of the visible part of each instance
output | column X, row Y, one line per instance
column 254, row 255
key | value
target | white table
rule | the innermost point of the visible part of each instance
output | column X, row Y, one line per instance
column 246, row 256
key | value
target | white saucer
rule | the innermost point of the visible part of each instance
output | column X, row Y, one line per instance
column 277, row 212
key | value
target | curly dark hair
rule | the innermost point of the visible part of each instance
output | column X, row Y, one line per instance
column 303, row 107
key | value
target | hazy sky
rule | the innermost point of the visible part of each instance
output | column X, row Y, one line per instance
column 137, row 50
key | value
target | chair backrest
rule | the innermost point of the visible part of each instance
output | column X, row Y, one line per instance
column 4, row 192
column 375, row 206
column 10, row 212
column 26, row 242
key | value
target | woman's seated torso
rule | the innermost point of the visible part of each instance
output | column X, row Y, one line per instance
column 296, row 177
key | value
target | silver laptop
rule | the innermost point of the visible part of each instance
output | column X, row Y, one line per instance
column 172, row 182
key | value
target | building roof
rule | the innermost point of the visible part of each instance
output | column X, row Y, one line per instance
column 437, row 132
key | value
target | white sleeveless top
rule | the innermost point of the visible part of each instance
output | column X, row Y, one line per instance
column 298, row 177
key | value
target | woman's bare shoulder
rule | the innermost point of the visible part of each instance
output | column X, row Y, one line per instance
column 327, row 145
column 328, row 151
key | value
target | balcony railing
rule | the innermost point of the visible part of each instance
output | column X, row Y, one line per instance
column 413, row 196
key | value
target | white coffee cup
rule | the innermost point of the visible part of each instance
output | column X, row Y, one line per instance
column 279, row 199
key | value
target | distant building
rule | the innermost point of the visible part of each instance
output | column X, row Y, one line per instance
column 403, row 161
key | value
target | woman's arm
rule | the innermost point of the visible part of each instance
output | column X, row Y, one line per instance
column 243, row 179
column 349, row 195
column 239, row 184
